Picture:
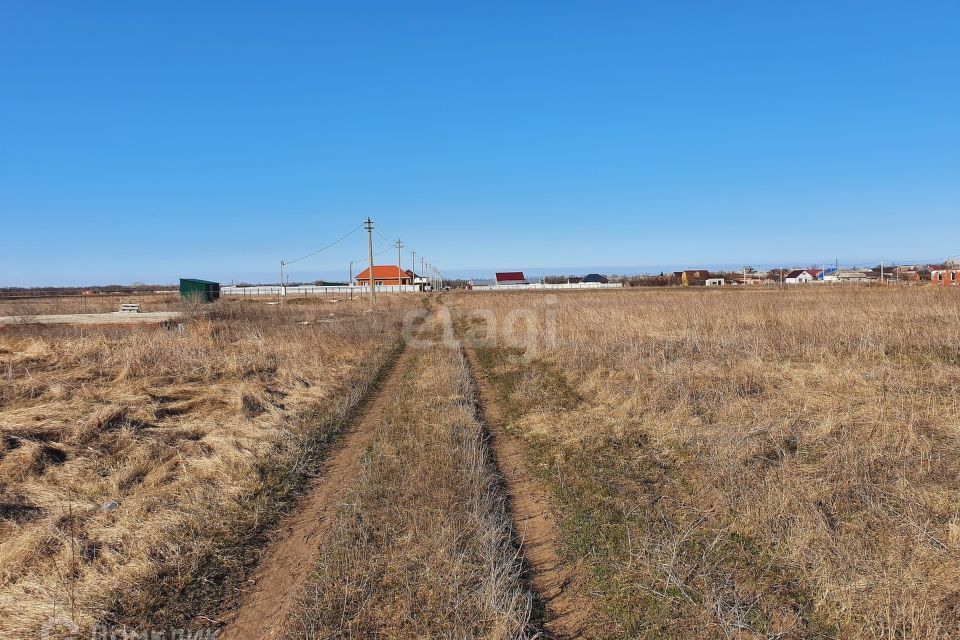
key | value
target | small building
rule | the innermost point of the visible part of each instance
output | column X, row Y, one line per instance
column 692, row 277
column 510, row 278
column 945, row 276
column 714, row 282
column 595, row 278
column 907, row 273
column 800, row 276
column 756, row 277
column 849, row 276
column 201, row 290
column 826, row 275
column 387, row 274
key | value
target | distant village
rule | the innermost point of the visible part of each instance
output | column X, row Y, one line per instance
column 940, row 274
column 392, row 278
column 946, row 274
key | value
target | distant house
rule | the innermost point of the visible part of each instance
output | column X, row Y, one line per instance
column 827, row 274
column 945, row 276
column 389, row 274
column 595, row 277
column 510, row 277
column 692, row 277
column 714, row 282
column 756, row 277
column 852, row 276
column 479, row 283
column 907, row 273
column 800, row 276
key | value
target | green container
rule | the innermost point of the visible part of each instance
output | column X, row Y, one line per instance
column 202, row 290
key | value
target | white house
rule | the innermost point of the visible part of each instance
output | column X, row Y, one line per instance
column 714, row 282
column 799, row 276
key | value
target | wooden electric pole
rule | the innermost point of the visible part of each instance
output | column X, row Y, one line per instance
column 399, row 264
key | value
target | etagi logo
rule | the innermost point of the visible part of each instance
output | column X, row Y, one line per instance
column 528, row 329
column 59, row 627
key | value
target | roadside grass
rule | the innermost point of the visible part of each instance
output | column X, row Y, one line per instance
column 423, row 546
column 748, row 466
column 140, row 469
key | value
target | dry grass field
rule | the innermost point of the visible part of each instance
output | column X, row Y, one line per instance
column 708, row 463
column 739, row 464
column 141, row 467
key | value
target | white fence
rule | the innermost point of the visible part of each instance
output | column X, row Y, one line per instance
column 313, row 290
column 541, row 285
column 347, row 290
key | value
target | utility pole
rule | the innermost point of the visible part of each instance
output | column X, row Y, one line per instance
column 881, row 272
column 373, row 285
column 413, row 268
column 423, row 267
column 399, row 265
column 350, row 281
column 281, row 281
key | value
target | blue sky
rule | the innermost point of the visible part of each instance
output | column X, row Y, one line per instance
column 146, row 141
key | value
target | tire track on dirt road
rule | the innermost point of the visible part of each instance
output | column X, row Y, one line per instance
column 560, row 585
column 264, row 610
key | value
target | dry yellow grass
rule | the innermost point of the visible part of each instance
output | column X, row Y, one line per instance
column 740, row 464
column 199, row 437
column 422, row 547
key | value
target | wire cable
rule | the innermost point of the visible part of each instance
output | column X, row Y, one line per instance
column 375, row 255
column 309, row 255
column 380, row 233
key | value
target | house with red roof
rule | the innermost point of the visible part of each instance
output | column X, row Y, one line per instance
column 510, row 277
column 945, row 275
column 802, row 276
column 389, row 274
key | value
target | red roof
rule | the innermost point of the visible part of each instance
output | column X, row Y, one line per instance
column 383, row 272
column 510, row 276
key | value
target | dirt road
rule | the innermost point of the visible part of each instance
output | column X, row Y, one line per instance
column 286, row 564
column 276, row 584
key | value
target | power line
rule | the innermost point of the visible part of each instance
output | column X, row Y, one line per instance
column 375, row 255
column 383, row 237
column 326, row 247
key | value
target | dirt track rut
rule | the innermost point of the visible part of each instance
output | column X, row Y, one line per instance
column 275, row 585
column 560, row 585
